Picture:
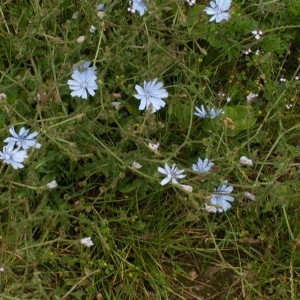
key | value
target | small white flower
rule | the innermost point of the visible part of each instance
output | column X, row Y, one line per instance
column 246, row 161
column 3, row 96
column 87, row 241
column 296, row 78
column 171, row 174
column 228, row 99
column 249, row 196
column 116, row 104
column 23, row 139
column 210, row 208
column 186, row 188
column 83, row 81
column 92, row 29
column 257, row 33
column 289, row 106
column 153, row 147
column 218, row 10
column 52, row 184
column 1, row 269
column 81, row 39
column 251, row 96
column 136, row 165
column 151, row 95
column 191, row 2
column 41, row 96
column 282, row 79
column 12, row 156
column 247, row 51
column 101, row 14
column 221, row 198
column 202, row 166
column 257, row 52
column 75, row 15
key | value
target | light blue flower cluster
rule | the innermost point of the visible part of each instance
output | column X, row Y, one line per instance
column 220, row 199
column 151, row 95
column 218, row 9
column 84, row 77
column 15, row 152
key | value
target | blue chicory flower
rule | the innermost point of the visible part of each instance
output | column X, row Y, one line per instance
column 100, row 6
column 171, row 174
column 218, row 10
column 211, row 114
column 23, row 139
column 83, row 81
column 139, row 6
column 202, row 166
column 221, row 199
column 151, row 95
column 12, row 156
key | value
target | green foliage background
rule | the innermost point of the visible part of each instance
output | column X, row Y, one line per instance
column 151, row 242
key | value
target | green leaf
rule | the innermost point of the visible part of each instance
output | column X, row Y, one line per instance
column 2, row 119
column 238, row 118
column 194, row 15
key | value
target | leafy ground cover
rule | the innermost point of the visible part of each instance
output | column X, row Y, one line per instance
column 172, row 171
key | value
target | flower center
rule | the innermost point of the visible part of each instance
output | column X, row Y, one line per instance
column 218, row 10
column 174, row 174
column 6, row 156
column 147, row 93
column 84, row 84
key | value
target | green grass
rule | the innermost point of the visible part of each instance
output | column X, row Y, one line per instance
column 150, row 241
